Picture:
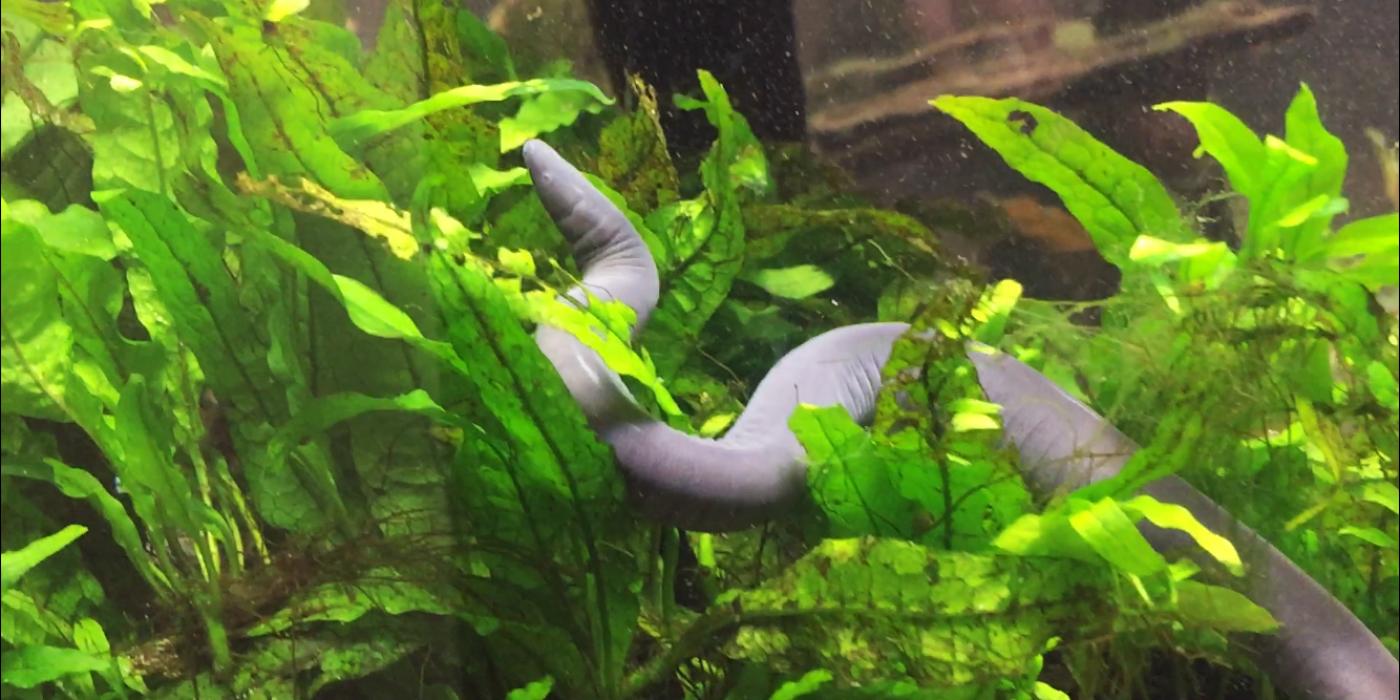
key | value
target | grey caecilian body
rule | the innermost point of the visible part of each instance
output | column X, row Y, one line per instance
column 757, row 469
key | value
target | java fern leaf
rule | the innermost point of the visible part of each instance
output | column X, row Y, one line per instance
column 865, row 610
column 1115, row 199
column 705, row 236
column 20, row 561
column 1293, row 184
column 532, row 464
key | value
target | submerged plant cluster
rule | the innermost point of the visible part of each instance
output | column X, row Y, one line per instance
column 273, row 425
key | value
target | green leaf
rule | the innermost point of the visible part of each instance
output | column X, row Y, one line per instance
column 796, row 282
column 873, row 610
column 284, row 119
column 358, row 128
column 1369, row 535
column 1228, row 140
column 77, row 230
column 1385, row 495
column 381, row 590
column 994, row 309
column 1079, row 529
column 1112, row 534
column 161, row 493
column 809, row 683
column 489, row 181
column 1221, row 609
column 322, row 412
column 480, row 42
column 80, row 484
column 862, row 489
column 604, row 327
column 536, row 690
column 368, row 310
column 1115, row 199
column 1176, row 517
column 705, row 236
column 203, row 300
column 1366, row 250
column 48, row 66
column 532, row 476
column 33, row 665
column 37, row 341
column 1206, row 262
column 545, row 112
column 1293, row 184
column 278, row 10
column 632, row 153
column 19, row 562
column 1304, row 131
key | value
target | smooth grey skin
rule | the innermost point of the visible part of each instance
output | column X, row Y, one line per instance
column 758, row 468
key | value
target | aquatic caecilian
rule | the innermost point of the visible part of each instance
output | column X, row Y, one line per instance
column 757, row 470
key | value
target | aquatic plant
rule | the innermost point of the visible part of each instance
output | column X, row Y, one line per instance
column 273, row 423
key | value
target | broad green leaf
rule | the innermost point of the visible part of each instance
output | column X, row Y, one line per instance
column 1110, row 532
column 796, row 282
column 80, row 484
column 77, row 230
column 737, row 154
column 1078, row 527
column 862, row 489
column 48, row 66
column 1115, row 199
column 1366, row 250
column 56, row 19
column 535, row 690
column 1369, row 535
column 161, row 492
column 1228, row 140
column 374, row 218
column 322, row 412
column 19, row 562
column 368, row 310
column 1047, row 535
column 203, row 300
column 381, row 590
column 284, row 119
column 545, row 112
column 1222, row 609
column 1304, row 131
column 516, row 262
column 604, row 327
column 531, row 472
column 480, row 44
column 632, row 152
column 33, row 665
column 358, row 128
column 1293, row 184
column 1199, row 261
column 371, row 649
column 278, row 10
column 175, row 63
column 489, row 181
column 705, row 236
column 1383, row 494
column 809, row 683
column 37, row 340
column 873, row 610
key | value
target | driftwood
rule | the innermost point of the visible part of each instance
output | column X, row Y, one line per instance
column 875, row 94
